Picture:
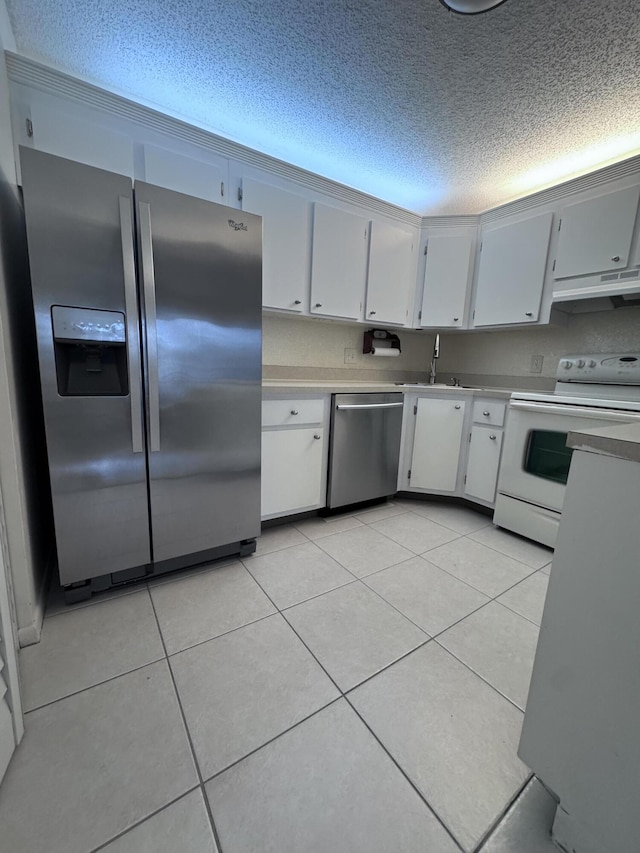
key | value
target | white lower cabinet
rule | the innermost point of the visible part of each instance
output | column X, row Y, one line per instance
column 437, row 438
column 483, row 462
column 294, row 455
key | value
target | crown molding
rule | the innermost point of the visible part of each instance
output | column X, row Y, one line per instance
column 28, row 72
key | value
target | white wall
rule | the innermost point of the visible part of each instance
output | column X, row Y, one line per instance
column 299, row 348
column 504, row 358
column 21, row 449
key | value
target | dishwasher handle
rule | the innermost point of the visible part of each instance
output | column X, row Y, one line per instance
column 344, row 406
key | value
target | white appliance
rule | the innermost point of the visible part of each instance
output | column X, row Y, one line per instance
column 591, row 391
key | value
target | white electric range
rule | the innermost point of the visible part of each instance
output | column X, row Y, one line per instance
column 591, row 390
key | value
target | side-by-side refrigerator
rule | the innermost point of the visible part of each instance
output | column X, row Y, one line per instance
column 148, row 317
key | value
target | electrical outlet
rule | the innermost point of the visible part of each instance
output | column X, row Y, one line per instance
column 350, row 355
column 536, row 364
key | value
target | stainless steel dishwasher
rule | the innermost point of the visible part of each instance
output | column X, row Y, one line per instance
column 364, row 447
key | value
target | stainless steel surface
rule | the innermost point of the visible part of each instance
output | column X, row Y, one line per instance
column 345, row 408
column 132, row 322
column 204, row 484
column 364, row 447
column 98, row 484
column 118, row 512
column 150, row 329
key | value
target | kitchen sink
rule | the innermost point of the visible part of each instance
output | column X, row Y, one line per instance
column 438, row 385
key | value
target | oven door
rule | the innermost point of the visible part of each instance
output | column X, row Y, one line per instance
column 535, row 458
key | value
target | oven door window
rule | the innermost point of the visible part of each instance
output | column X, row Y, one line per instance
column 548, row 456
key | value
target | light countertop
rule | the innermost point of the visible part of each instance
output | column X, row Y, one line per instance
column 336, row 386
column 621, row 441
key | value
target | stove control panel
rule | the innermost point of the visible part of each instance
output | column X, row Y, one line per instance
column 604, row 369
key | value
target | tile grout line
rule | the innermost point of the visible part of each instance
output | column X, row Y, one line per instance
column 140, row 822
column 405, row 775
column 97, row 684
column 481, row 677
column 494, row 826
column 189, row 738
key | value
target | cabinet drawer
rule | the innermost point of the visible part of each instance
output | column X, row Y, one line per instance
column 292, row 412
column 485, row 412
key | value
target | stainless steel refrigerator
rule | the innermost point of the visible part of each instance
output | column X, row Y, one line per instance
column 148, row 318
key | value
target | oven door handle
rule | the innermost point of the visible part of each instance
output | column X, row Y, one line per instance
column 575, row 411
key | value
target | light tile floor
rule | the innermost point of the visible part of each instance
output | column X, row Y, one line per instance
column 356, row 685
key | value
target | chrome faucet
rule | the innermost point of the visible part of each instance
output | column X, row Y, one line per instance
column 434, row 360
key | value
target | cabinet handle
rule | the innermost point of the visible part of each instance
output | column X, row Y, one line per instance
column 615, row 258
column 297, row 301
column 486, row 414
column 457, row 406
column 492, row 437
column 318, row 305
column 294, row 411
column 317, row 437
column 528, row 313
column 455, row 319
column 372, row 312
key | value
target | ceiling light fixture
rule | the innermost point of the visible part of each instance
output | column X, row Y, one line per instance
column 471, row 7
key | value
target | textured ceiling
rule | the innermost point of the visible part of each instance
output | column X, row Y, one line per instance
column 435, row 112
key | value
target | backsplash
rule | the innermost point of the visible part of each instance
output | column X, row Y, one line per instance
column 504, row 358
column 305, row 348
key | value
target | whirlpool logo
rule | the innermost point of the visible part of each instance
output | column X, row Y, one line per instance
column 237, row 226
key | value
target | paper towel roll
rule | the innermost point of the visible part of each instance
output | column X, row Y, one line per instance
column 385, row 352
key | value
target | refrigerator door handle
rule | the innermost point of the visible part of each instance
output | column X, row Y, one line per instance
column 132, row 322
column 151, row 329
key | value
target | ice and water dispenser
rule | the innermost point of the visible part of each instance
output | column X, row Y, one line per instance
column 91, row 352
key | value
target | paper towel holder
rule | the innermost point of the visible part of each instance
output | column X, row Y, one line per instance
column 374, row 337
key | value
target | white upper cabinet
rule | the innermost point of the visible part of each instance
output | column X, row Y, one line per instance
column 207, row 179
column 391, row 279
column 339, row 262
column 511, row 272
column 286, row 242
column 595, row 235
column 447, row 278
column 73, row 137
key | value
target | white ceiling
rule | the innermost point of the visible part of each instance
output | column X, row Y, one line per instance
column 436, row 112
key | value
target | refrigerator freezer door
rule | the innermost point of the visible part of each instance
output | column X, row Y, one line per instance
column 201, row 277
column 81, row 256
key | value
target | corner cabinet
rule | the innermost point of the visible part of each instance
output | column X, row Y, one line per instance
column 294, row 455
column 391, row 280
column 511, row 272
column 338, row 262
column 437, row 436
column 447, row 278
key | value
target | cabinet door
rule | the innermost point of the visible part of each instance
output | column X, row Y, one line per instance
column 339, row 262
column 292, row 470
column 207, row 179
column 595, row 235
column 436, row 444
column 447, row 278
column 391, row 278
column 75, row 138
column 483, row 463
column 286, row 242
column 513, row 260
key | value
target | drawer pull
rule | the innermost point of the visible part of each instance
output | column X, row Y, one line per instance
column 318, row 305
column 615, row 258
column 455, row 319
column 317, row 437
column 294, row 411
column 297, row 301
column 457, row 406
column 486, row 414
column 492, row 437
column 528, row 313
